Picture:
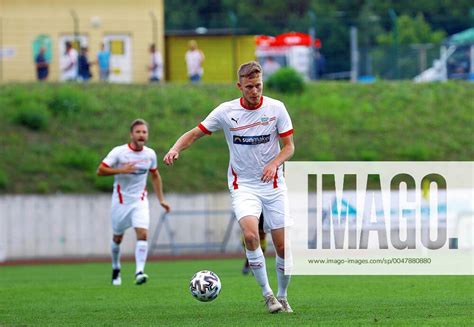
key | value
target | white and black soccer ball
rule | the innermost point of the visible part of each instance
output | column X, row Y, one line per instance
column 205, row 286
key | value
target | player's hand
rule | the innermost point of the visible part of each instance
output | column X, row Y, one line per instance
column 171, row 156
column 128, row 168
column 165, row 206
column 269, row 172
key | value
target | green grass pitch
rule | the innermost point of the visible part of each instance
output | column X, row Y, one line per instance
column 81, row 295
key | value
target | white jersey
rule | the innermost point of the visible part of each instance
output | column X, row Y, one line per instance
column 193, row 61
column 131, row 187
column 253, row 138
column 66, row 61
column 157, row 62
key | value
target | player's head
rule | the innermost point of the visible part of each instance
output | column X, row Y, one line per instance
column 152, row 48
column 192, row 45
column 139, row 133
column 250, row 82
column 68, row 45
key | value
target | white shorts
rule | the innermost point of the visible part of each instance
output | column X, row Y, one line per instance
column 273, row 203
column 124, row 216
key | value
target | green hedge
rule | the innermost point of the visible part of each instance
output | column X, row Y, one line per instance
column 286, row 80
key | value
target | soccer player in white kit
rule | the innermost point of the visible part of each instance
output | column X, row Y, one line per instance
column 253, row 126
column 130, row 163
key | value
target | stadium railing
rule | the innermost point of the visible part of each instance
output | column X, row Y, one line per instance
column 175, row 246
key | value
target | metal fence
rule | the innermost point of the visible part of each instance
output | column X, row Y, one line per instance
column 198, row 230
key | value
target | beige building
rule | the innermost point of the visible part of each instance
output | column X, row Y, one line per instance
column 126, row 27
column 224, row 53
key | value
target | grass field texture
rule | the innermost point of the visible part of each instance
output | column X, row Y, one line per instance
column 81, row 295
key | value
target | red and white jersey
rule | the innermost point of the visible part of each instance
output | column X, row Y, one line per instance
column 131, row 187
column 253, row 138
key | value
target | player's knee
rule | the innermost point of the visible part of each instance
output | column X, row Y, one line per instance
column 251, row 238
column 280, row 250
column 142, row 235
column 117, row 239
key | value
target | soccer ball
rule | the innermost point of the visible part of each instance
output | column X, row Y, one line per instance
column 205, row 286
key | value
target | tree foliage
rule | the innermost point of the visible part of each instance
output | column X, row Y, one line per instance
column 412, row 30
column 333, row 19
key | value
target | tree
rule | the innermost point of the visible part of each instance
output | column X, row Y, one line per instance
column 411, row 31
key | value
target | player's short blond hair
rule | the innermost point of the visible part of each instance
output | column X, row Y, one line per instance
column 193, row 44
column 137, row 122
column 249, row 70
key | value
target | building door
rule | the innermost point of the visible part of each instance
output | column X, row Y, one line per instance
column 120, row 49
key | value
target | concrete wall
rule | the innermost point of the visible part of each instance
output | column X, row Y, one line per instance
column 65, row 226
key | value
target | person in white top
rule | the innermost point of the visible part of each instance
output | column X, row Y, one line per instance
column 156, row 65
column 270, row 66
column 69, row 65
column 253, row 126
column 130, row 164
column 194, row 59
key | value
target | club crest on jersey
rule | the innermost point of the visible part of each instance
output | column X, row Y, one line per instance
column 265, row 120
column 251, row 140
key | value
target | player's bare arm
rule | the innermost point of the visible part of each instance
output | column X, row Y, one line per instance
column 103, row 170
column 184, row 142
column 286, row 153
column 158, row 187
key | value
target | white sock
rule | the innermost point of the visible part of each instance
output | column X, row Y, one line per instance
column 141, row 250
column 115, row 251
column 259, row 269
column 283, row 280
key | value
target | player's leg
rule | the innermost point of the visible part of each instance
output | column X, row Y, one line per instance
column 115, row 252
column 246, row 268
column 141, row 252
column 249, row 226
column 262, row 234
column 140, row 222
column 278, row 237
column 263, row 244
column 276, row 209
column 120, row 222
column 247, row 207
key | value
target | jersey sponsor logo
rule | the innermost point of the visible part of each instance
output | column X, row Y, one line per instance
column 140, row 172
column 251, row 140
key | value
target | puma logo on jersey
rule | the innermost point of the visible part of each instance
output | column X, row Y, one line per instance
column 236, row 120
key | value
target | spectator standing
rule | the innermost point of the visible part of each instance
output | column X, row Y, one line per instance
column 194, row 59
column 42, row 65
column 156, row 65
column 270, row 66
column 84, row 70
column 69, row 63
column 103, row 62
